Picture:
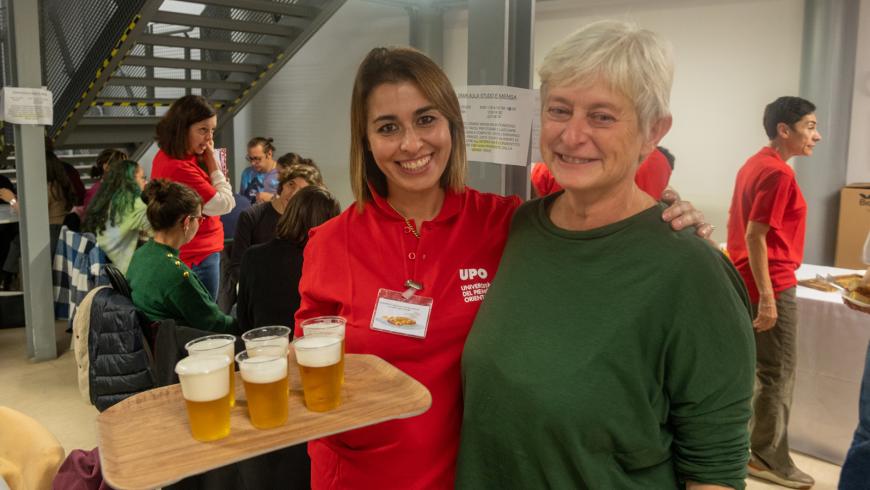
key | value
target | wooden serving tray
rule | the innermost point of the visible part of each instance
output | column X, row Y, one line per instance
column 145, row 440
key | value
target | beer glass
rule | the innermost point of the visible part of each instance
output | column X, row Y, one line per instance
column 267, row 336
column 264, row 373
column 217, row 344
column 327, row 325
column 206, row 392
column 319, row 359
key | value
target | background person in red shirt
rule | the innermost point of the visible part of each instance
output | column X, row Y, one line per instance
column 414, row 219
column 652, row 175
column 185, row 136
column 766, row 242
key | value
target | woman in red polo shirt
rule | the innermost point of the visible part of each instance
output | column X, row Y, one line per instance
column 185, row 136
column 415, row 228
column 766, row 228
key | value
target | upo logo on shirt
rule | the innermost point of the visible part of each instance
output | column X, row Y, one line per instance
column 473, row 286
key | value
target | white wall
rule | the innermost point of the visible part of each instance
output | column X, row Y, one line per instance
column 306, row 106
column 858, row 167
column 732, row 58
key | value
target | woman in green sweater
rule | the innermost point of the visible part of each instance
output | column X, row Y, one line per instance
column 611, row 351
column 117, row 213
column 163, row 286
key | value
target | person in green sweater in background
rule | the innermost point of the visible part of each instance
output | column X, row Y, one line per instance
column 611, row 351
column 163, row 286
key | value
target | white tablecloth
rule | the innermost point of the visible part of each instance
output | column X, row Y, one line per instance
column 832, row 346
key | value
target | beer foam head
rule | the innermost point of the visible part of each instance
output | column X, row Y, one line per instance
column 269, row 341
column 203, row 377
column 213, row 344
column 263, row 368
column 323, row 328
column 317, row 350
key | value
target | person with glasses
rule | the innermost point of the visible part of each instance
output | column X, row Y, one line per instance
column 185, row 136
column 260, row 180
column 163, row 286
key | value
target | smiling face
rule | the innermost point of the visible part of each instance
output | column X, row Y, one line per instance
column 408, row 138
column 200, row 135
column 590, row 136
column 800, row 139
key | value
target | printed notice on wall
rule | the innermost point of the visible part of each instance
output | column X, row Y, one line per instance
column 498, row 123
column 26, row 106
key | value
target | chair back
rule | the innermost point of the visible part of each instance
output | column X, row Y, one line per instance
column 117, row 280
column 29, row 454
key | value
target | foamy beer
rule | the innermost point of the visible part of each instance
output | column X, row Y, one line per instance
column 264, row 373
column 319, row 359
column 267, row 336
column 327, row 325
column 217, row 344
column 206, row 391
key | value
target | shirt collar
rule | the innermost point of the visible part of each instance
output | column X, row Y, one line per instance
column 452, row 205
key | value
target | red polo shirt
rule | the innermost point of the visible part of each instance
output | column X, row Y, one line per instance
column 652, row 176
column 210, row 237
column 346, row 261
column 766, row 192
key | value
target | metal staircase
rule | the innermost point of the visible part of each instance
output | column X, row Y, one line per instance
column 114, row 66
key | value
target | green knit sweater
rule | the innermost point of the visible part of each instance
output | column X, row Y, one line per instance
column 615, row 358
column 164, row 287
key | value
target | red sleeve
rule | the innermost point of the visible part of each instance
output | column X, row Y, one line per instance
column 653, row 174
column 315, row 292
column 771, row 199
column 187, row 174
column 543, row 181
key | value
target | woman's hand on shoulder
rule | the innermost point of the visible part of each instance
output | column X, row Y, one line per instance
column 682, row 214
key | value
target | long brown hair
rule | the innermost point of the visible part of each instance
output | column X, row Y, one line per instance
column 311, row 206
column 172, row 128
column 396, row 65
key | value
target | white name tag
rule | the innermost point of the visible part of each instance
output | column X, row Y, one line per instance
column 395, row 314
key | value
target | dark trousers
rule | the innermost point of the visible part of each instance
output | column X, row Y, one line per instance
column 856, row 468
column 776, row 360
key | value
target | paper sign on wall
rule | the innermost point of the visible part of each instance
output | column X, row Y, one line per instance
column 26, row 106
column 498, row 123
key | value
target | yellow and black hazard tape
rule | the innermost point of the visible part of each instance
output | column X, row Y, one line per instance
column 112, row 103
column 100, row 68
column 255, row 81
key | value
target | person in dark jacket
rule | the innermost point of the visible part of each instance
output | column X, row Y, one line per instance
column 270, row 272
column 257, row 224
column 163, row 285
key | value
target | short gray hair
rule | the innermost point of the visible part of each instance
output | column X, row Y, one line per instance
column 633, row 61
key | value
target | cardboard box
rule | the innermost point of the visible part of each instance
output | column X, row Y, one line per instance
column 853, row 226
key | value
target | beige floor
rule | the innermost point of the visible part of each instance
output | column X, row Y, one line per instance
column 48, row 392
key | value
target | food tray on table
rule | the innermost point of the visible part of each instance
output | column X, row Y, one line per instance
column 145, row 440
column 844, row 280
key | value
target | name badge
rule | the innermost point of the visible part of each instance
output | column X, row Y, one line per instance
column 395, row 313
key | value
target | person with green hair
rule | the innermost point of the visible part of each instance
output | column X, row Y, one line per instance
column 117, row 213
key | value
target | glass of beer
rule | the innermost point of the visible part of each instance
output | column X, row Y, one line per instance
column 264, row 373
column 206, row 392
column 267, row 336
column 217, row 344
column 319, row 359
column 327, row 325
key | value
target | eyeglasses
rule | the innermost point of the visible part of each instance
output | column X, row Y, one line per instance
column 199, row 218
column 253, row 159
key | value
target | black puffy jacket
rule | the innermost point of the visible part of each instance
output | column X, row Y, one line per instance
column 120, row 360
